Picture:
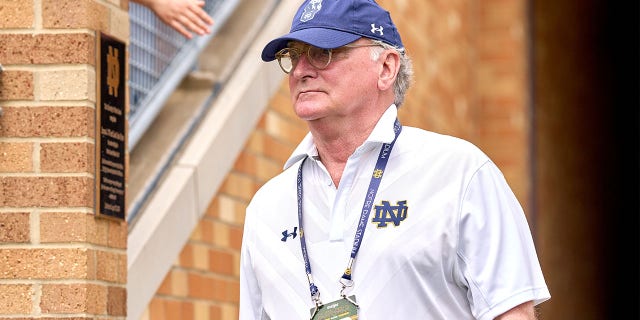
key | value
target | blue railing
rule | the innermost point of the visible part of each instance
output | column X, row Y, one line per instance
column 159, row 58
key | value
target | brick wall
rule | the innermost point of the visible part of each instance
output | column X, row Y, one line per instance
column 469, row 61
column 57, row 260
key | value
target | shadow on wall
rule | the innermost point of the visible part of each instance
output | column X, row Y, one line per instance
column 585, row 66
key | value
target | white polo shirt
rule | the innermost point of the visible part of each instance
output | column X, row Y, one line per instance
column 453, row 243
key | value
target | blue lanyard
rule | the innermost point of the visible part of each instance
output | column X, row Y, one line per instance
column 378, row 171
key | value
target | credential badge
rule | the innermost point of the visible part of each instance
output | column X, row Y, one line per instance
column 310, row 10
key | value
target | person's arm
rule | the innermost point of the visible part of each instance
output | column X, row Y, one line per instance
column 524, row 311
column 185, row 16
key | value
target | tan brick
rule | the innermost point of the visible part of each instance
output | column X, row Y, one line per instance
column 277, row 150
column 46, row 191
column 156, row 309
column 206, row 231
column 179, row 283
column 200, row 256
column 117, row 236
column 227, row 209
column 16, row 14
column 255, row 143
column 54, row 318
column 186, row 256
column 232, row 291
column 64, row 226
column 246, row 163
column 267, row 168
column 499, row 80
column 500, row 107
column 16, row 157
column 73, row 298
column 258, row 166
column 500, row 49
column 122, row 268
column 16, row 299
column 107, row 268
column 221, row 262
column 16, row 85
column 500, row 15
column 216, row 312
column 197, row 233
column 98, row 232
column 165, row 286
column 14, row 227
column 239, row 186
column 67, row 85
column 201, row 286
column 218, row 288
column 202, row 310
column 76, row 48
column 179, row 309
column 117, row 302
column 92, row 265
column 282, row 104
column 67, row 157
column 228, row 311
column 74, row 14
column 98, row 299
column 221, row 234
column 119, row 26
column 43, row 263
column 213, row 209
column 235, row 238
column 47, row 122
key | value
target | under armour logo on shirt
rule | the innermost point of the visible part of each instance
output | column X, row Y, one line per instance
column 286, row 234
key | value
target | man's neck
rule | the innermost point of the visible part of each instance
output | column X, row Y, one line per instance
column 335, row 146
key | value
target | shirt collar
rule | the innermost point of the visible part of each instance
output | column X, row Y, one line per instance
column 382, row 133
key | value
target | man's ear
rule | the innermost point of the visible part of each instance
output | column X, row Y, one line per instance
column 389, row 71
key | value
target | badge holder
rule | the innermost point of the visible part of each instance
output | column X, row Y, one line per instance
column 342, row 309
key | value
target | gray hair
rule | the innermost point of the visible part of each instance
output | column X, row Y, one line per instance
column 405, row 74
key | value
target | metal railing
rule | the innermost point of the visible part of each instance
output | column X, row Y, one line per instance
column 159, row 58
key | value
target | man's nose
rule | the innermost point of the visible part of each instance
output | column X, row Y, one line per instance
column 303, row 66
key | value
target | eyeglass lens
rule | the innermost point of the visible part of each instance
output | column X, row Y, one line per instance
column 288, row 57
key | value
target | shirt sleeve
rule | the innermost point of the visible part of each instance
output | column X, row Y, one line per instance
column 250, row 295
column 497, row 255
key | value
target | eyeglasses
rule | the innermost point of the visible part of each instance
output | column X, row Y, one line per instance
column 288, row 58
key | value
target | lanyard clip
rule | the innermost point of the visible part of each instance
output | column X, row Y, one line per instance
column 346, row 283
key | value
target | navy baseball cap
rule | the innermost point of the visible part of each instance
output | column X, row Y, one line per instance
column 331, row 24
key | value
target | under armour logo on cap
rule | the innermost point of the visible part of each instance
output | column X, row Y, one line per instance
column 374, row 29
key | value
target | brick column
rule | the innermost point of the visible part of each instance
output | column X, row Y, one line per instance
column 57, row 259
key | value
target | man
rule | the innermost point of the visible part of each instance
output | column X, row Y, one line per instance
column 370, row 219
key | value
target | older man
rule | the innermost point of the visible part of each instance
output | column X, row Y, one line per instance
column 370, row 219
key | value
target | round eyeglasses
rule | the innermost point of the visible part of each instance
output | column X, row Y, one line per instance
column 319, row 58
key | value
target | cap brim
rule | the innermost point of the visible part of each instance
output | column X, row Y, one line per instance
column 317, row 37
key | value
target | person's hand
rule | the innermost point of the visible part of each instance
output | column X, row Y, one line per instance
column 185, row 16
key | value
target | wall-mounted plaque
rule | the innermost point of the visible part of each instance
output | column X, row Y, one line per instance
column 111, row 128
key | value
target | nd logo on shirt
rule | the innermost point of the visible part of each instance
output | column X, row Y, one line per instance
column 384, row 214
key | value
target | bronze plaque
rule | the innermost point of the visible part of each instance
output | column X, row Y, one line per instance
column 111, row 128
